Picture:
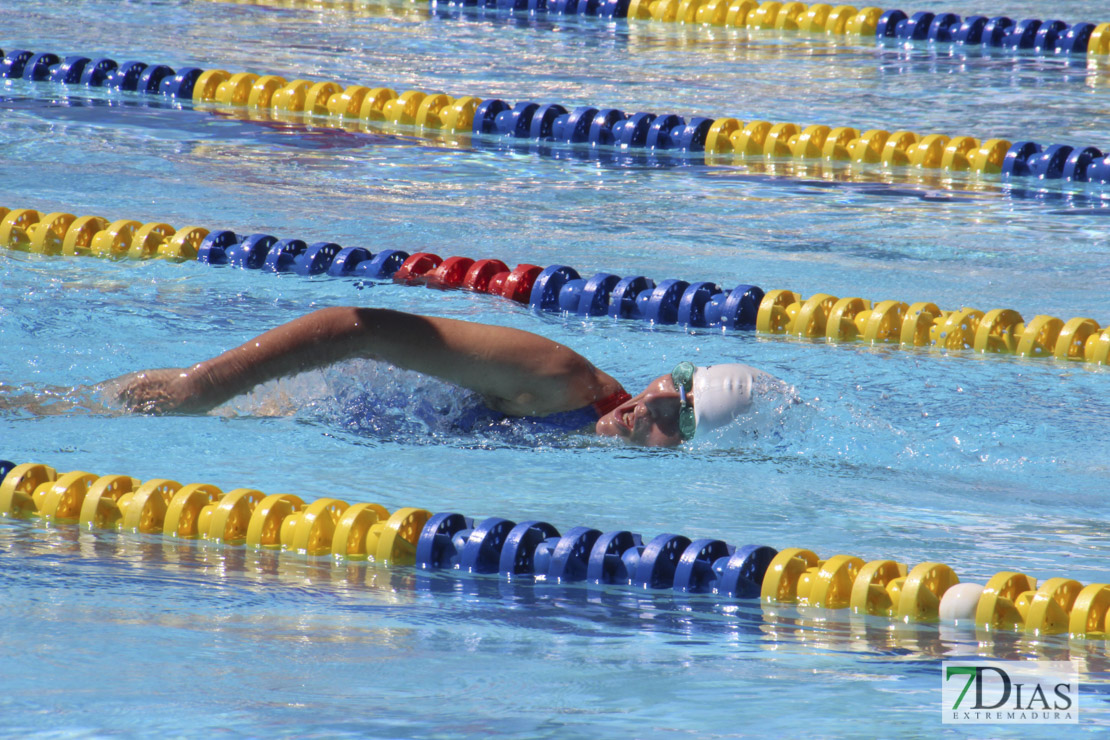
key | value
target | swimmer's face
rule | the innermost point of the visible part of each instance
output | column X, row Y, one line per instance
column 649, row 419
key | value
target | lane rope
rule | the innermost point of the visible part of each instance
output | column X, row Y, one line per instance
column 1029, row 35
column 535, row 552
column 562, row 289
column 1032, row 35
column 606, row 131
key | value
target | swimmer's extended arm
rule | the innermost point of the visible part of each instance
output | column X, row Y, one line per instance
column 516, row 371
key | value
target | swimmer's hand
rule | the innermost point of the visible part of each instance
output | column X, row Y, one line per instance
column 163, row 391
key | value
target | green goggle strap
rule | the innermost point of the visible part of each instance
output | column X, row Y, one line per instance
column 683, row 378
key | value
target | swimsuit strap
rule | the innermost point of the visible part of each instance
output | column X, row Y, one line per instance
column 610, row 402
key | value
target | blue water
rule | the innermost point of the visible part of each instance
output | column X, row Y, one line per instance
column 984, row 463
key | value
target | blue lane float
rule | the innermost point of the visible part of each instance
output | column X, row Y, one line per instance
column 527, row 549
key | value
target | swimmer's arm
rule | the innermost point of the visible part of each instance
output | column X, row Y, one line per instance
column 516, row 371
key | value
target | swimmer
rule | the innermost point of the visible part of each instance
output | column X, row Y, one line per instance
column 517, row 373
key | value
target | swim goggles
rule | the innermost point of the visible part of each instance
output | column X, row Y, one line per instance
column 683, row 377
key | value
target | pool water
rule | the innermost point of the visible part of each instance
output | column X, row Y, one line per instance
column 985, row 463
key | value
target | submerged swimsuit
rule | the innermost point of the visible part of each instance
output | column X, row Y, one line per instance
column 578, row 419
column 575, row 420
column 441, row 409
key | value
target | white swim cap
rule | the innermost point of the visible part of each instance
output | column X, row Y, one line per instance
column 721, row 393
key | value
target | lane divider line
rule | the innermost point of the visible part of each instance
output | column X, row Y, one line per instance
column 1032, row 35
column 712, row 141
column 535, row 552
column 562, row 289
